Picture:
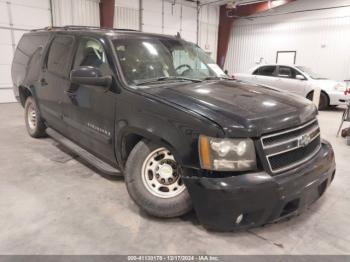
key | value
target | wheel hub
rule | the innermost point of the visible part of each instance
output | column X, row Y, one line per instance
column 165, row 171
column 161, row 174
column 32, row 117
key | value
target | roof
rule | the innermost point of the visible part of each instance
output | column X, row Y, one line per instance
column 277, row 65
column 100, row 30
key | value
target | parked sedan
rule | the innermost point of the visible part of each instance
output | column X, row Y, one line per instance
column 299, row 80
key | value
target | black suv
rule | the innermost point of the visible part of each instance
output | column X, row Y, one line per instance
column 158, row 110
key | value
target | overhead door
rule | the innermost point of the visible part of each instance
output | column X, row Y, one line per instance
column 16, row 18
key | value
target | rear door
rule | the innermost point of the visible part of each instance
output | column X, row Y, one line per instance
column 54, row 79
column 286, row 80
column 89, row 111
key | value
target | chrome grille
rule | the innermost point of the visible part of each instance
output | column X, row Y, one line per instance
column 287, row 149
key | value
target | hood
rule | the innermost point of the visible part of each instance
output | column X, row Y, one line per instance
column 241, row 109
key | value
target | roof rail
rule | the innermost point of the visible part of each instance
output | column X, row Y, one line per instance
column 79, row 27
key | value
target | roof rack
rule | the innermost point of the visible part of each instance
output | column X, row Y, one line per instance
column 79, row 27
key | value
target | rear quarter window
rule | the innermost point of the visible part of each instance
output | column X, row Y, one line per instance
column 30, row 45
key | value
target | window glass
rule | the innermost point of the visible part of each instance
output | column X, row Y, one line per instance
column 287, row 72
column 91, row 53
column 256, row 72
column 59, row 55
column 267, row 70
column 183, row 60
column 145, row 59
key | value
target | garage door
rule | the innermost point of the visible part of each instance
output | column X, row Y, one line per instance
column 16, row 18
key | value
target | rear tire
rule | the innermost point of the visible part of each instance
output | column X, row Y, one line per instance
column 34, row 123
column 324, row 101
column 153, row 180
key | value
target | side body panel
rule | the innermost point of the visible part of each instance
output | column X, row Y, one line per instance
column 89, row 111
column 176, row 128
column 290, row 84
column 26, row 64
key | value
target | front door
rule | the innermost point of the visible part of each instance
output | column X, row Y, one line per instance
column 89, row 111
column 287, row 80
column 265, row 75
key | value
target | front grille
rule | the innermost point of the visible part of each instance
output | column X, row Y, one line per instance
column 290, row 148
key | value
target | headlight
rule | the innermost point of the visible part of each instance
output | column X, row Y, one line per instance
column 226, row 154
column 340, row 87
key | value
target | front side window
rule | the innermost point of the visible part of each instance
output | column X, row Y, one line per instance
column 143, row 59
column 287, row 72
column 59, row 55
column 91, row 53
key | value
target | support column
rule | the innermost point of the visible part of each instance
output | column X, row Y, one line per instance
column 227, row 18
column 107, row 13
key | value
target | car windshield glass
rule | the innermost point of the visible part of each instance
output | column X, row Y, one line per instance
column 147, row 61
column 308, row 71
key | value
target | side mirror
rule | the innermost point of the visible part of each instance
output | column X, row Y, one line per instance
column 88, row 75
column 300, row 77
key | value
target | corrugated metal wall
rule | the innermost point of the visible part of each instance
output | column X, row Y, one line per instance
column 76, row 12
column 168, row 17
column 321, row 39
column 16, row 18
column 209, row 29
column 126, row 14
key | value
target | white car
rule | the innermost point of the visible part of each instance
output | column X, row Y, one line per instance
column 299, row 80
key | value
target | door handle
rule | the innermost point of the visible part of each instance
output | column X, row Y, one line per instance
column 43, row 82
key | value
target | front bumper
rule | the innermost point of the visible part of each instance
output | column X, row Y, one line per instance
column 259, row 197
column 338, row 98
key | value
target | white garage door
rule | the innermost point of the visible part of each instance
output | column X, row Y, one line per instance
column 16, row 18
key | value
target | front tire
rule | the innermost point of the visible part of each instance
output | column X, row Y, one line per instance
column 153, row 180
column 34, row 123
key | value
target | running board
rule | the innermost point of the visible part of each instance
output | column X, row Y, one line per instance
column 84, row 154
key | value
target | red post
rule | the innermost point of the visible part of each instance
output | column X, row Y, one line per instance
column 107, row 13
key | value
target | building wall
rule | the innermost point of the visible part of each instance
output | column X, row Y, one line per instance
column 320, row 38
column 165, row 17
column 209, row 29
column 16, row 18
column 127, row 14
column 76, row 12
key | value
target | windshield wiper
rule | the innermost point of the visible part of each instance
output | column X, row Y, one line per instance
column 168, row 78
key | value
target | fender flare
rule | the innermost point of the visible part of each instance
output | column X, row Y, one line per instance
column 121, row 139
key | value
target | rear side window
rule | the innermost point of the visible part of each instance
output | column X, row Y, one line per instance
column 59, row 55
column 265, row 71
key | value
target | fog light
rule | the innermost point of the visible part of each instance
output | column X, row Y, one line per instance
column 239, row 219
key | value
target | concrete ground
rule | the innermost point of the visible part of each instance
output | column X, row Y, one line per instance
column 51, row 203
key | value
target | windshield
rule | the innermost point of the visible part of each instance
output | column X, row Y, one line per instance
column 146, row 61
column 308, row 71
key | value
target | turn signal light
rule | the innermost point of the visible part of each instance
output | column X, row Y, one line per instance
column 204, row 152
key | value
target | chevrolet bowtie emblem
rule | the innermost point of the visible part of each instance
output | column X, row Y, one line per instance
column 304, row 140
